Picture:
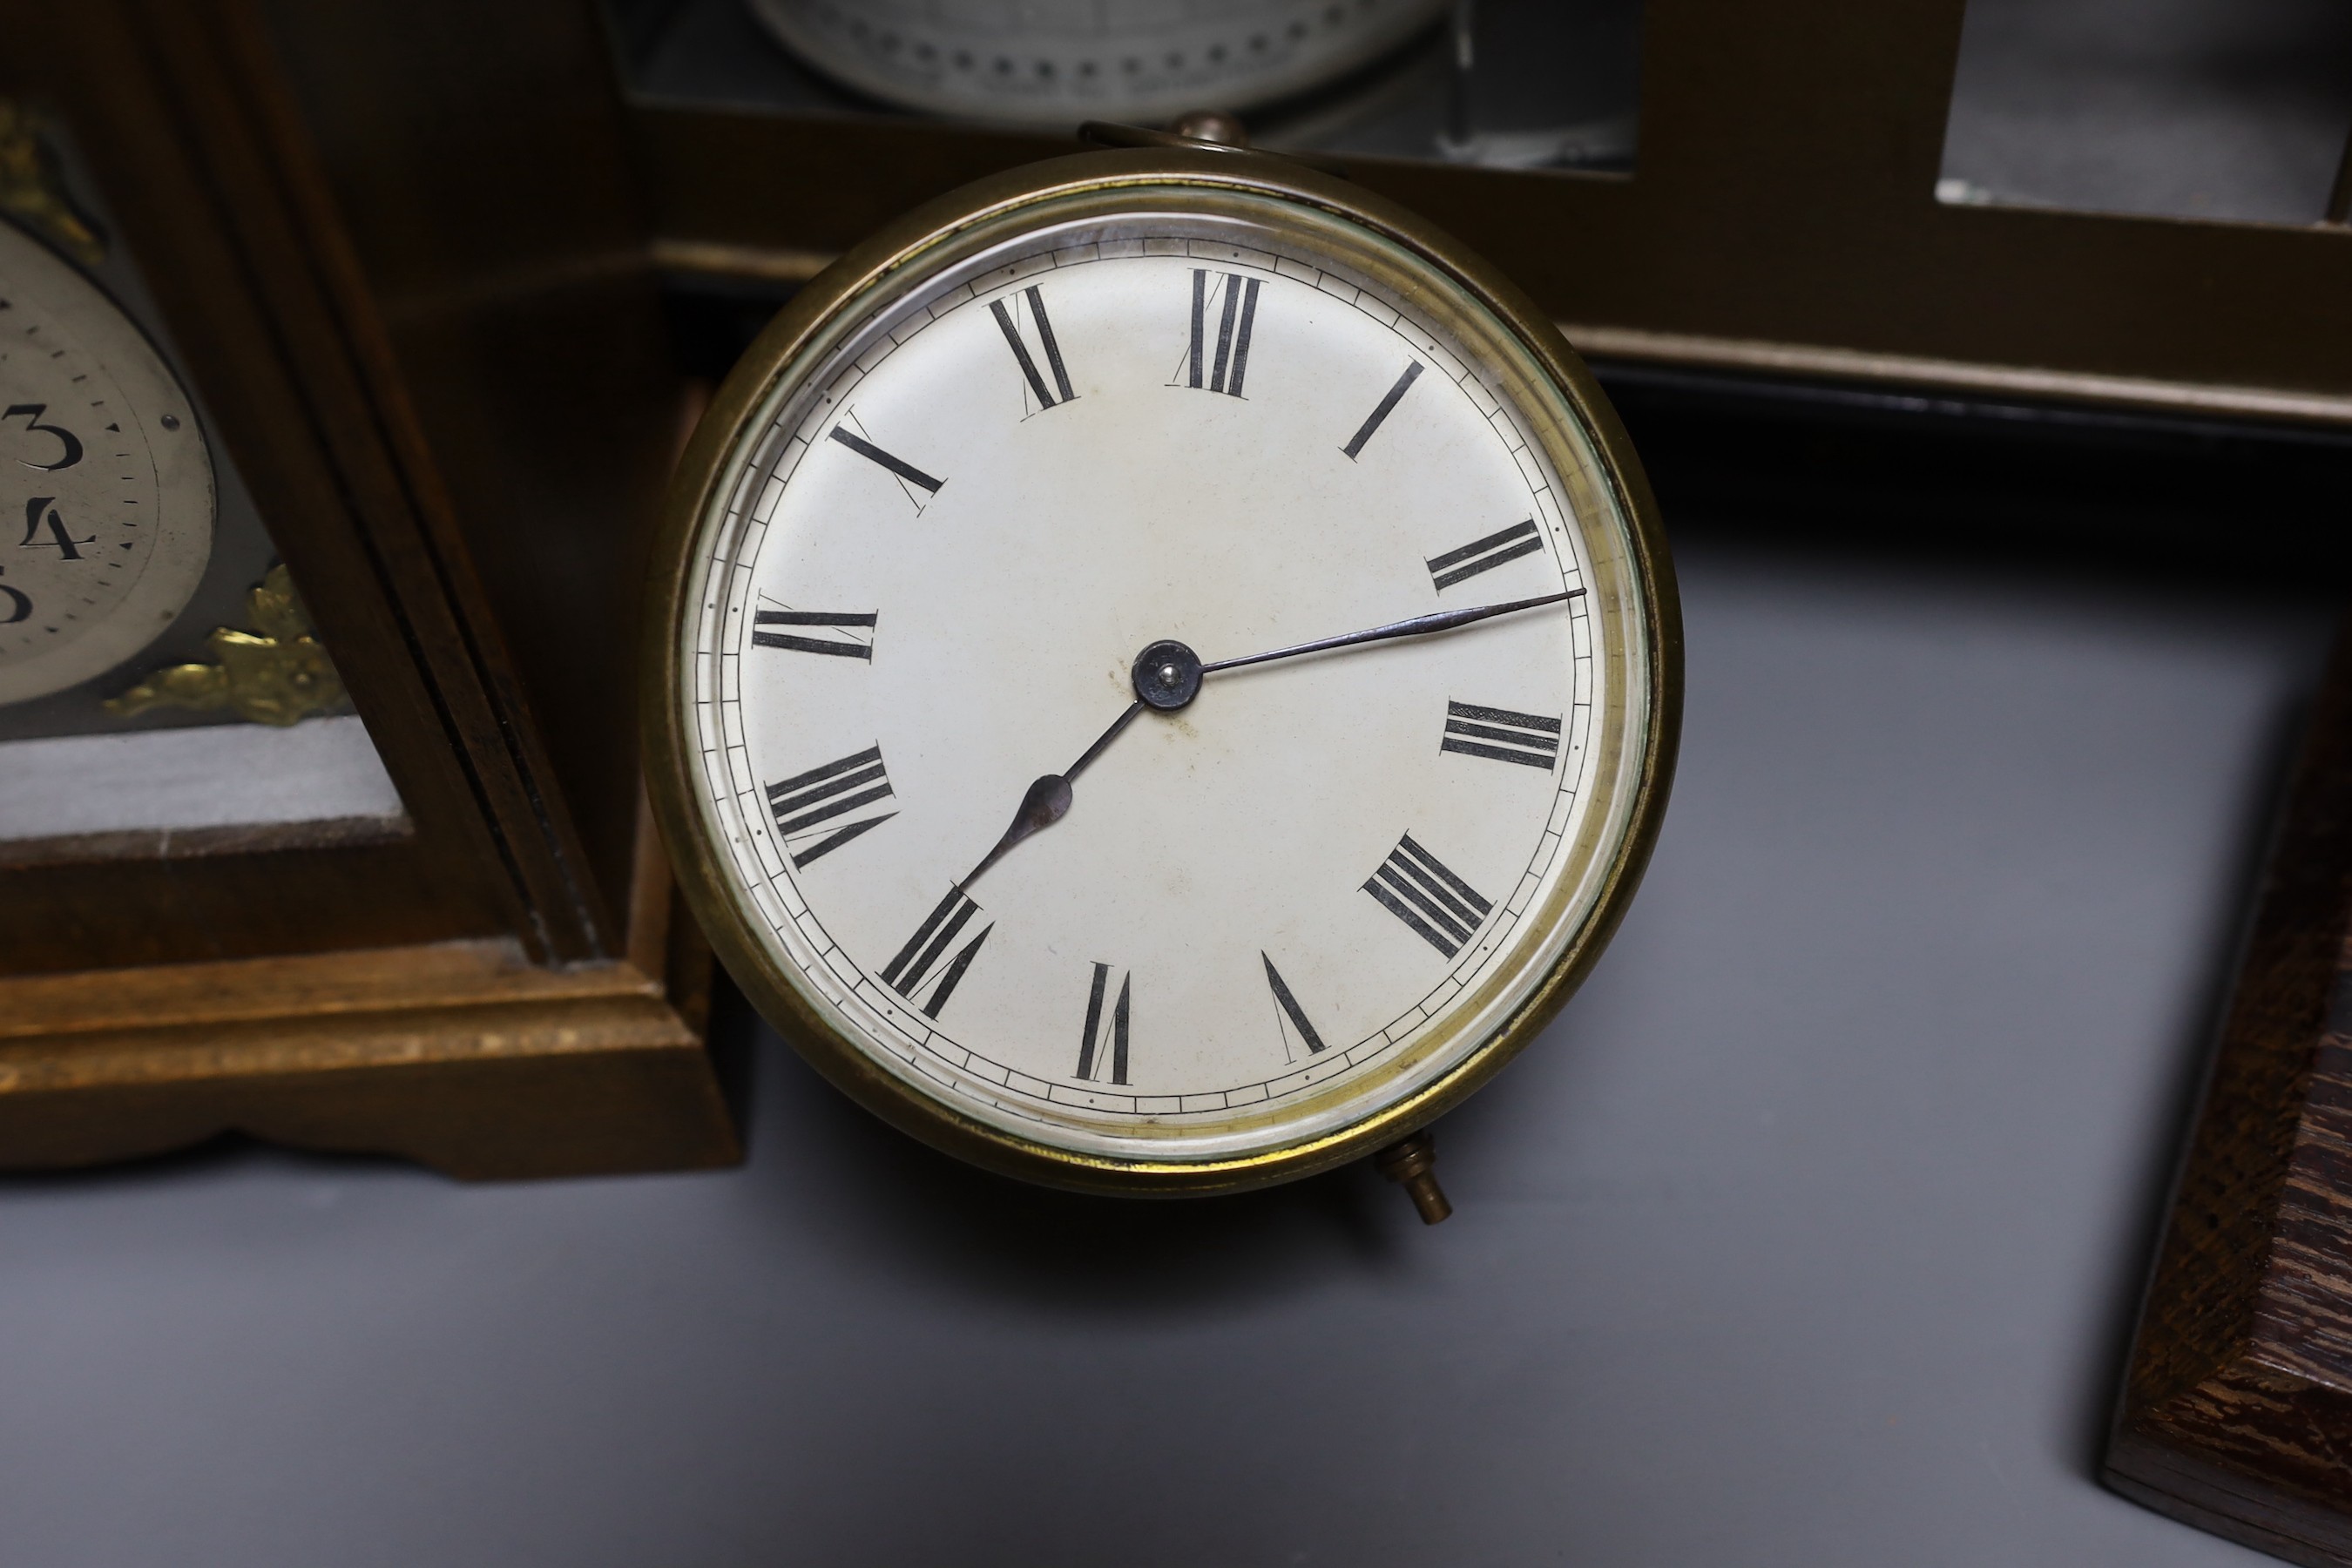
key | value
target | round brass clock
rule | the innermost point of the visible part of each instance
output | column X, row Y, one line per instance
column 1162, row 672
column 106, row 489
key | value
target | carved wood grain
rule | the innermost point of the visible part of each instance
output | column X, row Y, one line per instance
column 2237, row 1410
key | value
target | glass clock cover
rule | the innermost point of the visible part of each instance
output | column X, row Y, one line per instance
column 1053, row 66
column 1056, row 879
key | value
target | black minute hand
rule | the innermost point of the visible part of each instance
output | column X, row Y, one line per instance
column 1420, row 625
column 1167, row 676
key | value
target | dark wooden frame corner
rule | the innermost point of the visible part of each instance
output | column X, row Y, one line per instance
column 2236, row 1413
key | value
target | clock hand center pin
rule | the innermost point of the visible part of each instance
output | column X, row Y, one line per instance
column 1166, row 675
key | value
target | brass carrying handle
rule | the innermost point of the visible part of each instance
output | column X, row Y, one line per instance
column 1200, row 131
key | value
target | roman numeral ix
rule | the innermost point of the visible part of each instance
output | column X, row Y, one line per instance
column 1414, row 885
column 1291, row 1011
column 1045, row 399
column 1485, row 555
column 924, row 960
column 1240, row 313
column 806, row 805
column 1500, row 735
column 1105, row 1047
column 857, row 641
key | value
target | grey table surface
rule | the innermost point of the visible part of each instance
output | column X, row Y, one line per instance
column 1810, row 1233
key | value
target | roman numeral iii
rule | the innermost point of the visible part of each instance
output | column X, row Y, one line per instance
column 1222, row 371
column 924, row 963
column 1052, row 350
column 1483, row 554
column 1415, row 886
column 856, row 640
column 1500, row 735
column 807, row 805
column 1104, row 1047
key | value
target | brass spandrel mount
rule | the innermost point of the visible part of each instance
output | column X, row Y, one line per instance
column 277, row 674
column 32, row 193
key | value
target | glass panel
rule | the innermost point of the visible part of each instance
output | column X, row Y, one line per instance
column 1506, row 83
column 212, row 775
column 2208, row 108
column 158, row 670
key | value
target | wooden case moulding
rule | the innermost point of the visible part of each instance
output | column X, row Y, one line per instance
column 1781, row 218
column 465, row 1055
column 2236, row 1414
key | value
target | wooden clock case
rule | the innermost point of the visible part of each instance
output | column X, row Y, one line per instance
column 400, row 259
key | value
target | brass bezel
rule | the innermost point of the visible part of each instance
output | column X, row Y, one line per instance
column 1156, row 176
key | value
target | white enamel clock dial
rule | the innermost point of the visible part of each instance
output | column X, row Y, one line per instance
column 1016, row 61
column 106, row 489
column 913, row 612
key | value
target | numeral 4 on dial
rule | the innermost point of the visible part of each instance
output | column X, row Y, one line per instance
column 40, row 515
